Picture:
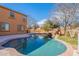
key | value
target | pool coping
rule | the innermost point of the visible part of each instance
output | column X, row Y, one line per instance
column 69, row 51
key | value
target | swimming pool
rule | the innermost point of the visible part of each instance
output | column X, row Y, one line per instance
column 37, row 46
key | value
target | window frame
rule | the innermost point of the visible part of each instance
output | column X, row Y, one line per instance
column 20, row 30
column 4, row 30
column 12, row 15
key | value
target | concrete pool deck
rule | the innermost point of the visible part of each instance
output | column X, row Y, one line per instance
column 4, row 39
column 13, row 52
column 9, row 52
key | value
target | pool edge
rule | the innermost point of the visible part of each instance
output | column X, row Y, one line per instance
column 69, row 51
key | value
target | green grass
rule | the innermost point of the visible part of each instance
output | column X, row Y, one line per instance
column 68, row 39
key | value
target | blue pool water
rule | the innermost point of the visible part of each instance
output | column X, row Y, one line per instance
column 36, row 45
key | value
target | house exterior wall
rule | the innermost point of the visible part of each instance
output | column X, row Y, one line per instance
column 13, row 22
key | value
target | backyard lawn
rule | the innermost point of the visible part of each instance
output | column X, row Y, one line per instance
column 73, row 41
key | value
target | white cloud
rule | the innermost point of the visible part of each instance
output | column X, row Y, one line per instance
column 41, row 22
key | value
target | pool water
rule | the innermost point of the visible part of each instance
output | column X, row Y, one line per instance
column 36, row 46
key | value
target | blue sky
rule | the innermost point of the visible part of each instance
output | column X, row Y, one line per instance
column 38, row 11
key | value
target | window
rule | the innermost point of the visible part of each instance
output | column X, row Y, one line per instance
column 12, row 14
column 4, row 27
column 20, row 28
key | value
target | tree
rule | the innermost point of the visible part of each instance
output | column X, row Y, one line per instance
column 35, row 26
column 32, row 23
column 48, row 25
column 67, row 13
column 55, row 21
